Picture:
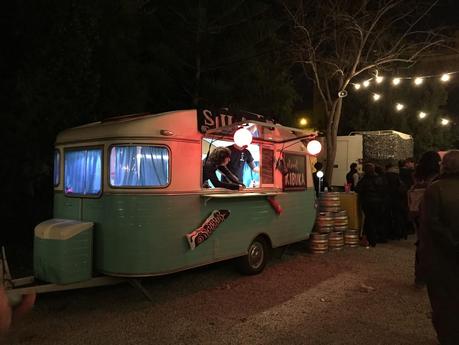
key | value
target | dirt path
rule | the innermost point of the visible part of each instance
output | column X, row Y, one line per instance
column 355, row 296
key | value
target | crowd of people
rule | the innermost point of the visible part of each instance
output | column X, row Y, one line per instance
column 425, row 198
column 383, row 197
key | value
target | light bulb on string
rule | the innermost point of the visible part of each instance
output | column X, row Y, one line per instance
column 399, row 106
column 376, row 97
column 396, row 81
column 422, row 115
column 379, row 79
column 445, row 77
column 357, row 86
column 366, row 83
column 418, row 81
column 444, row 122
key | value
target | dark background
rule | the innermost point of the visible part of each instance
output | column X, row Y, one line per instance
column 64, row 63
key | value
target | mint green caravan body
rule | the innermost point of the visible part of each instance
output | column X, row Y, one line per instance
column 141, row 231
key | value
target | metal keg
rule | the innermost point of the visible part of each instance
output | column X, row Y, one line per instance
column 325, row 222
column 352, row 238
column 340, row 221
column 329, row 202
column 335, row 240
column 318, row 243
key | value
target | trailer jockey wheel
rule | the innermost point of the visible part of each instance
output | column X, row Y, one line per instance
column 255, row 260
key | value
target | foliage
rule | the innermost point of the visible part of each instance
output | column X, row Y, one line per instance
column 71, row 62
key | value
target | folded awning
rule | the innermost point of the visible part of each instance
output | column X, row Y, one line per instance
column 264, row 131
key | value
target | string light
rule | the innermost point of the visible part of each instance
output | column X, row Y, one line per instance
column 399, row 106
column 418, row 81
column 445, row 77
column 396, row 81
column 444, row 122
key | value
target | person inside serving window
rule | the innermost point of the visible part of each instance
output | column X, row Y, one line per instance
column 239, row 157
column 218, row 160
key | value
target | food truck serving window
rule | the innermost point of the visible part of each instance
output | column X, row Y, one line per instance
column 56, row 169
column 83, row 171
column 139, row 166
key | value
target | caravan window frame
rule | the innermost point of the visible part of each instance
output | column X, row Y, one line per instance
column 261, row 145
column 102, row 159
column 109, row 153
column 57, row 167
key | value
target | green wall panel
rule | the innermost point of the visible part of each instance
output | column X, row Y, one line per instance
column 145, row 234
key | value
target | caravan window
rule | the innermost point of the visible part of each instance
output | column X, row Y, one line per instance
column 83, row 171
column 139, row 166
column 56, row 168
column 250, row 178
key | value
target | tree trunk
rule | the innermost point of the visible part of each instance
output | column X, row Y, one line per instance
column 330, row 138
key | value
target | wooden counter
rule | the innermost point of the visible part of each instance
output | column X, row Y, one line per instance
column 350, row 202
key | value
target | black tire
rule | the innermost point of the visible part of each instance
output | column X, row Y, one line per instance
column 257, row 257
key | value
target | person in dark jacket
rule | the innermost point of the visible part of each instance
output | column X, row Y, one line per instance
column 217, row 160
column 371, row 190
column 352, row 177
column 439, row 248
column 426, row 171
column 407, row 178
column 407, row 172
column 396, row 191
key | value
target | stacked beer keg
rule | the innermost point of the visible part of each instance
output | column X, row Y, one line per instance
column 331, row 230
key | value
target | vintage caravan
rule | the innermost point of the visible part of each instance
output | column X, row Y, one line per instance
column 129, row 199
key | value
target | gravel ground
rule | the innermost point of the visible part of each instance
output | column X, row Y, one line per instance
column 353, row 296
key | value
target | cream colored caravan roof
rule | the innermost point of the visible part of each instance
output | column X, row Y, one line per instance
column 181, row 123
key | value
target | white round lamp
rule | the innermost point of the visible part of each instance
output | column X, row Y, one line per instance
column 242, row 137
column 320, row 174
column 314, row 147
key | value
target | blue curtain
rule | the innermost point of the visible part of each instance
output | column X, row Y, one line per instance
column 56, row 171
column 83, row 172
column 140, row 166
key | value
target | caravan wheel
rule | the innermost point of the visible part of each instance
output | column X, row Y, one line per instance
column 257, row 256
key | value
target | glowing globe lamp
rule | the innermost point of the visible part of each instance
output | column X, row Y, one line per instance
column 314, row 147
column 320, row 174
column 242, row 137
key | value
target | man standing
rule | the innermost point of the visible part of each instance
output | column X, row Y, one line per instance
column 240, row 156
column 352, row 177
column 439, row 248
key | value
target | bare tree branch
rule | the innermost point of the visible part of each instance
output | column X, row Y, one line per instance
column 337, row 40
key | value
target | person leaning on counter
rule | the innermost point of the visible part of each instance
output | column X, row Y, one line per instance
column 218, row 160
